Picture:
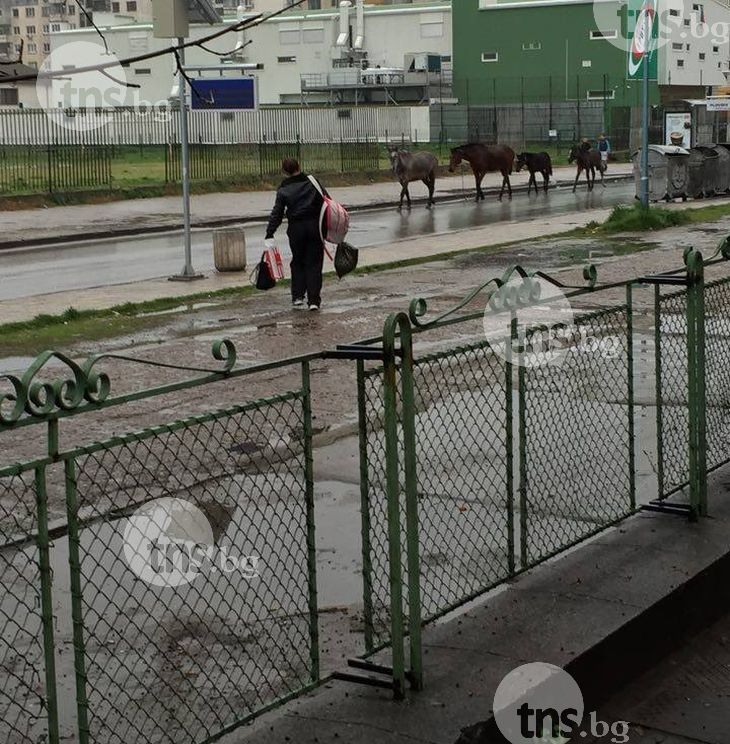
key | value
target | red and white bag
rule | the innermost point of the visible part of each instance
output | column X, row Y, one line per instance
column 273, row 259
column 334, row 221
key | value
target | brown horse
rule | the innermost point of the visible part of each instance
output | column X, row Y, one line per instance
column 587, row 160
column 485, row 159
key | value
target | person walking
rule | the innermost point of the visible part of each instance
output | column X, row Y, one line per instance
column 299, row 200
column 604, row 147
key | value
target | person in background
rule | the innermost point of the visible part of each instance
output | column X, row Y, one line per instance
column 301, row 203
column 604, row 147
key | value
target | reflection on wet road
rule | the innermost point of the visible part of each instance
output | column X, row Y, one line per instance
column 42, row 270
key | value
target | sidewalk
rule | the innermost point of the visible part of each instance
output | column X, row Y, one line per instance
column 134, row 216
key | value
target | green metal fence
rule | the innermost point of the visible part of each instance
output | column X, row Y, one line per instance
column 233, row 162
column 54, row 168
column 144, row 658
column 480, row 457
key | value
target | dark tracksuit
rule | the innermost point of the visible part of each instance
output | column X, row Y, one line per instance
column 302, row 204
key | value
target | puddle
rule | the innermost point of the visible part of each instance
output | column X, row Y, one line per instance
column 15, row 364
column 181, row 309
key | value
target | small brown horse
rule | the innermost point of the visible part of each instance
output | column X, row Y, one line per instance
column 587, row 160
column 485, row 159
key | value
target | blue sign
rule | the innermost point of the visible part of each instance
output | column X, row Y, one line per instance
column 224, row 93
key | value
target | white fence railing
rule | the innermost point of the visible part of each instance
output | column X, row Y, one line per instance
column 121, row 127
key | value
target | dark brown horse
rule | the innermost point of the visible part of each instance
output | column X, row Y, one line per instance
column 587, row 160
column 535, row 162
column 485, row 159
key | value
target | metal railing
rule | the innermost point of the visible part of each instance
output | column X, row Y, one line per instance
column 475, row 464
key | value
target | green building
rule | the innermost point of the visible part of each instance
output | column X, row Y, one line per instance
column 535, row 51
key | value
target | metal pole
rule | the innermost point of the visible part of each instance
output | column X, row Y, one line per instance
column 188, row 272
column 644, row 196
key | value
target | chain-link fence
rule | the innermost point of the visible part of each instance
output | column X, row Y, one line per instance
column 177, row 598
column 576, row 435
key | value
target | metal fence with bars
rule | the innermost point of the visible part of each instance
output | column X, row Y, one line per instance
column 479, row 458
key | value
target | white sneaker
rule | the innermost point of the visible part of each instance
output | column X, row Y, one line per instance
column 314, row 307
column 298, row 303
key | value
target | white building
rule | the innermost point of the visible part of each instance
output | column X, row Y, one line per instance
column 331, row 47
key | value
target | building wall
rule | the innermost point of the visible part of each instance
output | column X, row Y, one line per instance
column 288, row 47
column 550, row 45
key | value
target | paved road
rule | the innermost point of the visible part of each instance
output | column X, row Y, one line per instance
column 40, row 270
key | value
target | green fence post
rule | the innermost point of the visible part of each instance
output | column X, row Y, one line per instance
column 658, row 384
column 509, row 448
column 311, row 537
column 630, row 393
column 390, row 401
column 522, row 447
column 46, row 578
column 77, row 613
column 411, row 488
column 695, row 384
column 367, row 564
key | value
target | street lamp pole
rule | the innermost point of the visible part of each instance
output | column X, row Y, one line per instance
column 644, row 195
column 188, row 272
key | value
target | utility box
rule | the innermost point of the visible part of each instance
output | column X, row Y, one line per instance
column 170, row 19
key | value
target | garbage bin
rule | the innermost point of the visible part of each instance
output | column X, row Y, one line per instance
column 229, row 249
column 723, row 176
column 704, row 166
column 668, row 172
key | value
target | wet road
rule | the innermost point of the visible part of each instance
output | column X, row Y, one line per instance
column 27, row 272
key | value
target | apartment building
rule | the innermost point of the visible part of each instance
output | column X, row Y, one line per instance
column 31, row 22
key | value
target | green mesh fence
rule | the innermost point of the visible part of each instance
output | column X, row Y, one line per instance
column 577, row 436
column 672, row 390
column 23, row 694
column 717, row 371
column 189, row 658
column 463, row 501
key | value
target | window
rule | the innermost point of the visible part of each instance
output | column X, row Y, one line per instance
column 45, row 11
column 16, row 12
column 46, row 48
column 8, row 96
column 673, row 12
column 432, row 30
column 286, row 60
column 716, row 49
column 115, row 7
column 687, row 47
column 289, row 36
column 490, row 57
column 446, row 58
column 16, row 30
column 30, row 30
column 132, row 6
column 32, row 48
column 702, row 55
column 142, row 71
column 72, row 10
column 603, row 35
column 600, row 95
column 695, row 7
column 687, row 21
column 313, row 35
column 531, row 46
column 55, row 27
column 45, row 28
column 30, row 12
column 677, row 46
column 680, row 63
